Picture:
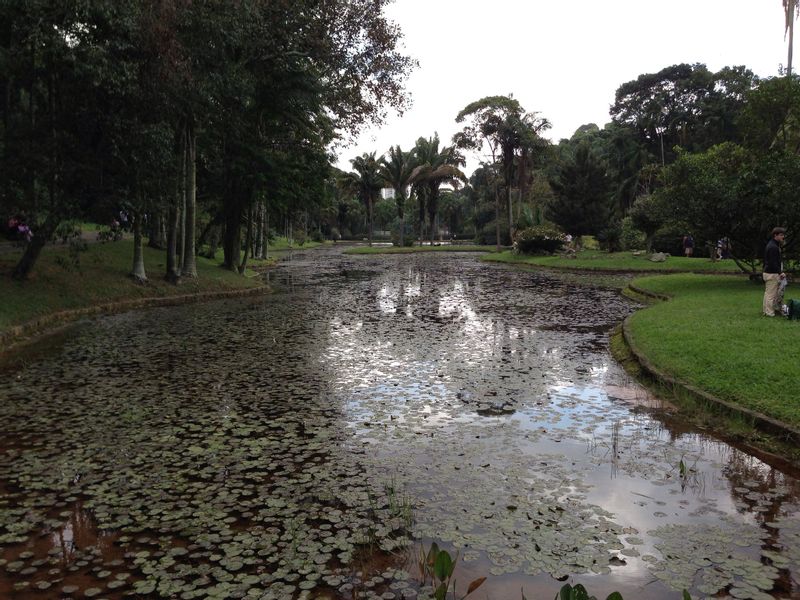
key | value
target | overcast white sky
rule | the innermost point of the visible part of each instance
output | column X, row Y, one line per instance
column 563, row 59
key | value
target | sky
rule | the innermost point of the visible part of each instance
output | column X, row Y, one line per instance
column 562, row 59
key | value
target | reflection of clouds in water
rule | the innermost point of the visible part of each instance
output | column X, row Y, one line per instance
column 476, row 331
column 513, row 391
column 387, row 300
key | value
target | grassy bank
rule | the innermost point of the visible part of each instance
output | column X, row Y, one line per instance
column 711, row 335
column 101, row 278
column 616, row 261
column 413, row 249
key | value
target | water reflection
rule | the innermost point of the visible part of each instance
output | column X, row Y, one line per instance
column 246, row 438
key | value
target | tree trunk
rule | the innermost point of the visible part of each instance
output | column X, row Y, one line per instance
column 189, row 268
column 421, row 219
column 231, row 242
column 791, row 36
column 248, row 239
column 137, row 272
column 497, row 217
column 369, row 203
column 172, row 275
column 182, row 199
column 155, row 239
column 34, row 248
column 260, row 232
column 510, row 215
column 432, row 202
column 266, row 231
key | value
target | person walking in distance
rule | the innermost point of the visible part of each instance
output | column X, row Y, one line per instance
column 773, row 271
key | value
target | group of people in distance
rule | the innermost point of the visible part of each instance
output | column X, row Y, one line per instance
column 774, row 277
column 723, row 249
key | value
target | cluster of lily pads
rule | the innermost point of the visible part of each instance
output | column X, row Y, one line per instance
column 302, row 445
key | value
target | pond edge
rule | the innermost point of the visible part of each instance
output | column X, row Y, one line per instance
column 762, row 421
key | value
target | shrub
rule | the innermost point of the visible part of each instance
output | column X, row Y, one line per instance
column 609, row 237
column 631, row 238
column 669, row 238
column 539, row 239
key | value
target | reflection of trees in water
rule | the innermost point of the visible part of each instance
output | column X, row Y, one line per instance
column 768, row 495
column 81, row 532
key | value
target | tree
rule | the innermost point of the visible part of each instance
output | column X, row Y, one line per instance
column 582, row 203
column 396, row 172
column 366, row 182
column 771, row 117
column 683, row 105
column 502, row 125
column 250, row 85
column 55, row 63
column 791, row 10
column 730, row 191
column 435, row 167
column 647, row 215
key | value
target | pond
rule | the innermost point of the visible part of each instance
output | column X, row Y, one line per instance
column 313, row 442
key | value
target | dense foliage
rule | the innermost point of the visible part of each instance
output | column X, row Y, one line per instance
column 134, row 106
column 538, row 239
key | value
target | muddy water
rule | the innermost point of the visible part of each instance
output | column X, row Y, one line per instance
column 310, row 443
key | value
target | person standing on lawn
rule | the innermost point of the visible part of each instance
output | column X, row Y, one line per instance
column 688, row 245
column 773, row 271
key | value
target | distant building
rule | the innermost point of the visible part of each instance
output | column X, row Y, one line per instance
column 387, row 193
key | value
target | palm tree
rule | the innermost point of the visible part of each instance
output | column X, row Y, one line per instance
column 434, row 168
column 791, row 9
column 396, row 173
column 512, row 137
column 365, row 181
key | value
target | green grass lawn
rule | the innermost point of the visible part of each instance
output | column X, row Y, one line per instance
column 711, row 334
column 413, row 249
column 616, row 261
column 102, row 277
column 282, row 243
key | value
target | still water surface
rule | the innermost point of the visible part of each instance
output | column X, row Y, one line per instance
column 310, row 443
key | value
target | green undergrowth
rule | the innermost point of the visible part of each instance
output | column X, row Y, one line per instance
column 616, row 261
column 414, row 249
column 711, row 335
column 100, row 276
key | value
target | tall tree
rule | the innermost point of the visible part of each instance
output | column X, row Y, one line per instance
column 368, row 182
column 396, row 171
column 682, row 105
column 582, row 203
column 791, row 10
column 511, row 136
column 435, row 167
